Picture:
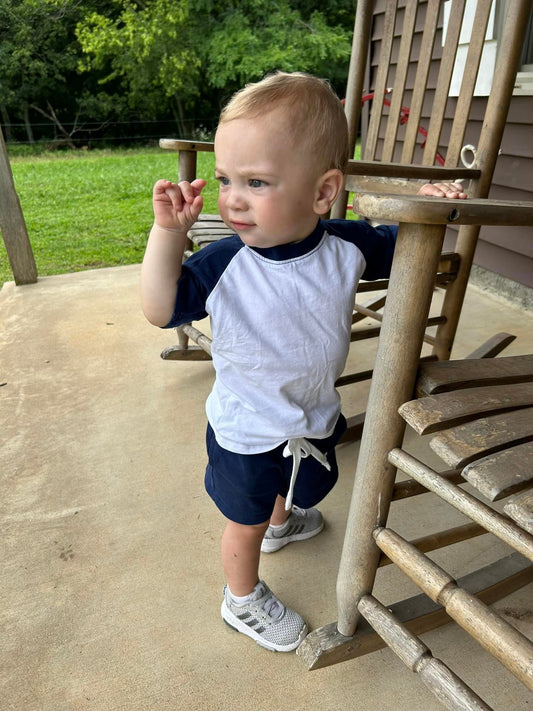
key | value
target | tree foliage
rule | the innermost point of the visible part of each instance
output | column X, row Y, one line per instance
column 148, row 49
column 257, row 36
column 151, row 59
column 39, row 56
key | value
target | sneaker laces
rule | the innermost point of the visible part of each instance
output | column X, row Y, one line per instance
column 299, row 448
column 273, row 607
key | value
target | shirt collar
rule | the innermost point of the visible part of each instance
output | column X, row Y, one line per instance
column 293, row 250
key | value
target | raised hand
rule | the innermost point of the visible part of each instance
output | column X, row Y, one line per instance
column 177, row 206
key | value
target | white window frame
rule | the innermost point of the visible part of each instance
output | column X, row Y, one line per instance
column 524, row 78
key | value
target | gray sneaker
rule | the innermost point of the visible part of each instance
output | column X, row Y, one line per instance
column 301, row 524
column 265, row 619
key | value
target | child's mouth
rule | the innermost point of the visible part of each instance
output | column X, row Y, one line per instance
column 241, row 226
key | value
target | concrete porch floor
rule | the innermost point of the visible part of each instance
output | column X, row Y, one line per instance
column 111, row 581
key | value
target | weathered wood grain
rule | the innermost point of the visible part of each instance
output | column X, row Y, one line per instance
column 440, row 679
column 520, row 509
column 176, row 144
column 13, row 225
column 492, row 346
column 493, row 521
column 442, row 376
column 502, row 474
column 438, row 412
column 513, row 649
column 460, row 445
column 432, row 211
column 326, row 646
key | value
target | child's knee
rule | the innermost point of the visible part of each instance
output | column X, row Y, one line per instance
column 245, row 531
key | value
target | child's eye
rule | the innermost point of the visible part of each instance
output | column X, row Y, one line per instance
column 254, row 183
column 222, row 180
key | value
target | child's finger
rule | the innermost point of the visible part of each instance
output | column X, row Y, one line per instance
column 454, row 188
column 165, row 191
column 198, row 185
column 160, row 187
column 196, row 207
column 449, row 190
column 189, row 190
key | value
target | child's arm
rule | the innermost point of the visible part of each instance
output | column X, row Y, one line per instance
column 176, row 209
column 379, row 252
column 452, row 191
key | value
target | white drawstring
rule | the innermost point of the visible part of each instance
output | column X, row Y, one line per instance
column 298, row 449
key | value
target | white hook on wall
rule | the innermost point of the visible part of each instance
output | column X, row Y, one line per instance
column 464, row 151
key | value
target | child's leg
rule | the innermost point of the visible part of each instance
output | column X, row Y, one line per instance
column 288, row 526
column 241, row 548
column 279, row 515
column 261, row 615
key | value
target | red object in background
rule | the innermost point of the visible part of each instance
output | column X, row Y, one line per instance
column 404, row 116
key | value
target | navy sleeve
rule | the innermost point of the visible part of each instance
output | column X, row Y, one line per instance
column 376, row 243
column 199, row 275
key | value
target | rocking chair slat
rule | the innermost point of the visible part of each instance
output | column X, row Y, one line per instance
column 503, row 473
column 438, row 412
column 381, row 81
column 492, row 346
column 399, row 81
column 421, row 80
column 463, row 444
column 443, row 81
column 468, row 83
column 520, row 509
column 440, row 377
column 397, row 170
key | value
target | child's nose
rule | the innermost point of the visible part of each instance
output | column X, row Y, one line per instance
column 235, row 199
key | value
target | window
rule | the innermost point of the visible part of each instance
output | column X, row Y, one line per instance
column 524, row 77
column 488, row 57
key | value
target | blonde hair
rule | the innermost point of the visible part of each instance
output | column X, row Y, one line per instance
column 313, row 114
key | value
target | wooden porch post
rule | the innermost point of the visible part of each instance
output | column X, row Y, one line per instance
column 12, row 225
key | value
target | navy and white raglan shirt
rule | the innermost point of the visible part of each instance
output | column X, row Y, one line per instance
column 281, row 320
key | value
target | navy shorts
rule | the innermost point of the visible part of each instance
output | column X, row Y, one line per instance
column 245, row 486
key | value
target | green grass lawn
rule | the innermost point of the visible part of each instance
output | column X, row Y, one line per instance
column 89, row 210
column 85, row 210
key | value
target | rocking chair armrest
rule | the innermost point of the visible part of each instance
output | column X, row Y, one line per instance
column 437, row 211
column 187, row 155
column 400, row 170
column 178, row 144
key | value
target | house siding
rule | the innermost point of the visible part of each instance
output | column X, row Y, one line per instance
column 505, row 252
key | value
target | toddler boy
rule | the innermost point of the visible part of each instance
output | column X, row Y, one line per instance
column 280, row 295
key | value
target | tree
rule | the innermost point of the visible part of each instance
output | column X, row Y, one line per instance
column 74, row 62
column 38, row 60
column 166, row 53
column 257, row 36
column 148, row 49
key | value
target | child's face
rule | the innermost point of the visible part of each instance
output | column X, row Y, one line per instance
column 267, row 190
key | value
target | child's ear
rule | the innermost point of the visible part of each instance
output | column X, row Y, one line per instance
column 328, row 188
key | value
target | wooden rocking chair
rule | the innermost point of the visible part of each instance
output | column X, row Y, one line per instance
column 480, row 411
column 406, row 52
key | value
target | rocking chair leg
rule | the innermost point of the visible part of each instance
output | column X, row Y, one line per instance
column 403, row 329
column 455, row 293
column 183, row 338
